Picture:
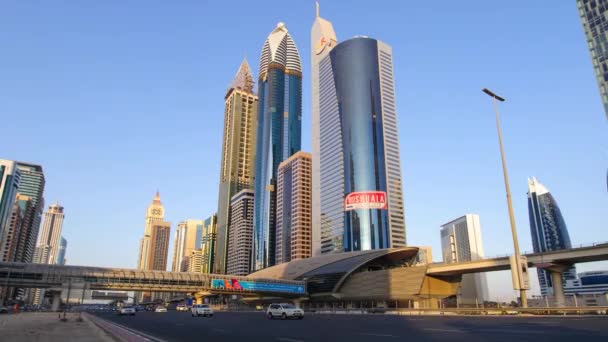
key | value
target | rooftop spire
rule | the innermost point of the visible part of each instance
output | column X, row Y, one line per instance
column 317, row 8
column 156, row 199
column 243, row 79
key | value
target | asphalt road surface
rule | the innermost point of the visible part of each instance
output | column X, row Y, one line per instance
column 246, row 327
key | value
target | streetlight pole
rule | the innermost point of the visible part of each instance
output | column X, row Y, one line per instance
column 522, row 291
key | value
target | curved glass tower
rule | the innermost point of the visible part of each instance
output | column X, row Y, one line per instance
column 361, row 202
column 548, row 229
column 278, row 134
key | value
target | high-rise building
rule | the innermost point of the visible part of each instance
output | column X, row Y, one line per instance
column 548, row 229
column 241, row 233
column 322, row 40
column 594, row 16
column 360, row 189
column 238, row 153
column 159, row 246
column 154, row 214
column 195, row 261
column 9, row 183
column 63, row 246
column 16, row 226
column 278, row 133
column 294, row 212
column 460, row 242
column 187, row 238
column 31, row 184
column 49, row 241
column 208, row 243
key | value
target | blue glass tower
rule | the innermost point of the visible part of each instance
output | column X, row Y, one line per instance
column 548, row 229
column 278, row 134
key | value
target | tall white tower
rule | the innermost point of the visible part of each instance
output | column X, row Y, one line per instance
column 322, row 40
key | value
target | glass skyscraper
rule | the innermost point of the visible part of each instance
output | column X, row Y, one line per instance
column 359, row 149
column 548, row 229
column 594, row 16
column 278, row 134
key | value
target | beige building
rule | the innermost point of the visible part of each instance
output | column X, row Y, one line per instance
column 208, row 243
column 294, row 208
column 49, row 240
column 240, row 233
column 238, row 153
column 155, row 213
column 187, row 239
column 195, row 261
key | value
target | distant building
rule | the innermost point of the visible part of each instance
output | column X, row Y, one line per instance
column 208, row 242
column 187, row 238
column 15, row 226
column 294, row 211
column 9, row 183
column 31, row 185
column 594, row 16
column 195, row 261
column 460, row 242
column 593, row 282
column 240, row 233
column 63, row 246
column 279, row 130
column 548, row 229
column 154, row 214
column 238, row 153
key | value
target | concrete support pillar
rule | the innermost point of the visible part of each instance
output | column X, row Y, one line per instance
column 199, row 300
column 56, row 301
column 558, row 289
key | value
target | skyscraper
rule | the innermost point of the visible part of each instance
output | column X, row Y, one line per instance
column 31, row 184
column 594, row 16
column 187, row 238
column 278, row 133
column 322, row 40
column 9, row 183
column 208, row 244
column 63, row 246
column 548, row 229
column 361, row 201
column 154, row 214
column 49, row 241
column 294, row 201
column 13, row 241
column 241, row 233
column 460, row 242
column 238, row 153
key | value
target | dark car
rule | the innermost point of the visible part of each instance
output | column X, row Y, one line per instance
column 3, row 309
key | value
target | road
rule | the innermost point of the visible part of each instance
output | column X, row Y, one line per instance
column 233, row 326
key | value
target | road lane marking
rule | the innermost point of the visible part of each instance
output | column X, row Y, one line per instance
column 445, row 330
column 378, row 335
column 219, row 330
column 288, row 339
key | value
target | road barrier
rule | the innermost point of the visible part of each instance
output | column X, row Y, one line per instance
column 588, row 310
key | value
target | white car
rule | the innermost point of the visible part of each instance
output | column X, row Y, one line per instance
column 181, row 307
column 127, row 310
column 201, row 310
column 284, row 311
column 160, row 309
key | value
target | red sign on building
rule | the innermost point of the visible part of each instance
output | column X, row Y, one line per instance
column 365, row 200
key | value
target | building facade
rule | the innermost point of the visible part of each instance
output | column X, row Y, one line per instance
column 188, row 236
column 63, row 246
column 9, row 184
column 548, row 229
column 241, row 233
column 195, row 262
column 49, row 241
column 594, row 17
column 460, row 242
column 238, row 153
column 361, row 201
column 208, row 244
column 294, row 208
column 278, row 133
column 14, row 241
column 154, row 214
column 322, row 40
column 31, row 184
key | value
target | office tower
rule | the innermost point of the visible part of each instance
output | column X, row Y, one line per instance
column 294, row 211
column 208, row 243
column 594, row 16
column 63, row 245
column 49, row 242
column 278, row 133
column 155, row 213
column 238, row 153
column 187, row 238
column 460, row 242
column 159, row 246
column 548, row 229
column 195, row 261
column 241, row 233
column 9, row 183
column 31, row 184
column 322, row 40
column 361, row 202
column 16, row 227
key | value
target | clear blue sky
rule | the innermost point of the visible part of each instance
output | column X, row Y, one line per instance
column 118, row 99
